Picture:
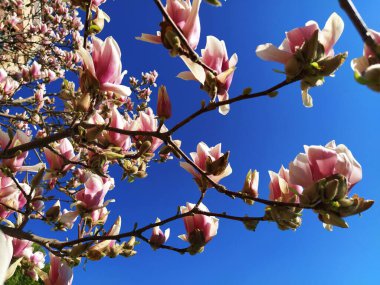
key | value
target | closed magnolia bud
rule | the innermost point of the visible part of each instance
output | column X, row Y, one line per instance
column 372, row 76
column 333, row 219
column 251, row 186
column 54, row 213
column 214, row 2
column 170, row 39
column 79, row 249
column 164, row 106
column 37, row 178
column 144, row 147
column 330, row 64
column 331, row 190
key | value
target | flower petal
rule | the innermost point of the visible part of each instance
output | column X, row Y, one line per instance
column 271, row 53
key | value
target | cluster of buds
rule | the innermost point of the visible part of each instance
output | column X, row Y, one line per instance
column 329, row 198
column 107, row 247
column 321, row 179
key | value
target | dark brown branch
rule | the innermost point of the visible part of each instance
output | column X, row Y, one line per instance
column 360, row 25
column 213, row 105
column 221, row 189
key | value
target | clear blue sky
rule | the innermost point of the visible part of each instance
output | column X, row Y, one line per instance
column 262, row 134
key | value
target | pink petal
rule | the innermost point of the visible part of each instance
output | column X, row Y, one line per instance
column 271, row 53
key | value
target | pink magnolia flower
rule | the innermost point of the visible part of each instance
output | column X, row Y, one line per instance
column 206, row 225
column 215, row 56
column 3, row 75
column 6, row 250
column 367, row 67
column 200, row 158
column 57, row 162
column 35, row 70
column 8, row 87
column 99, row 216
column 67, row 219
column 19, row 245
column 286, row 53
column 296, row 38
column 93, row 133
column 104, row 65
column 92, row 196
column 19, row 138
column 36, row 261
column 147, row 122
column 118, row 121
column 319, row 162
column 158, row 237
column 280, row 187
column 186, row 16
column 60, row 272
column 11, row 196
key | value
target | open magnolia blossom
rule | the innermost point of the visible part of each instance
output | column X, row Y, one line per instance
column 214, row 56
column 307, row 53
column 59, row 157
column 323, row 177
column 367, row 67
column 11, row 197
column 103, row 68
column 320, row 162
column 211, row 160
column 200, row 228
column 186, row 16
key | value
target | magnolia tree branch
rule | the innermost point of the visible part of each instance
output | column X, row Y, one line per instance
column 222, row 189
column 360, row 25
column 213, row 105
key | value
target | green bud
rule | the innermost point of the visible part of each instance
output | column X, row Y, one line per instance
column 331, row 190
column 329, row 65
column 215, row 3
column 251, row 225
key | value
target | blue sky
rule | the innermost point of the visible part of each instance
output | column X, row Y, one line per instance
column 261, row 134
